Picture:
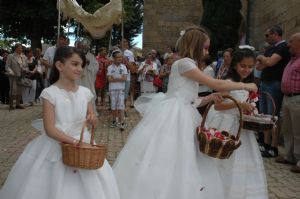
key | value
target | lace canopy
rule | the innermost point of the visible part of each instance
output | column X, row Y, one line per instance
column 96, row 24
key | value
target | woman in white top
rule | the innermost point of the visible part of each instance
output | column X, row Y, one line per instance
column 147, row 71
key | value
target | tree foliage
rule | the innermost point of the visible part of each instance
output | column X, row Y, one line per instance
column 34, row 20
column 223, row 20
column 30, row 20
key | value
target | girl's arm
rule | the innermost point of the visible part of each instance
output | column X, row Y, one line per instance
column 90, row 116
column 217, row 84
column 49, row 124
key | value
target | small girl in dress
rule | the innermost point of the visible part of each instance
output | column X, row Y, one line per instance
column 161, row 159
column 39, row 172
column 116, row 75
column 243, row 173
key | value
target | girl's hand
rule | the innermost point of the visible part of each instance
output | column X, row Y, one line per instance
column 83, row 144
column 247, row 107
column 250, row 87
column 92, row 119
column 216, row 97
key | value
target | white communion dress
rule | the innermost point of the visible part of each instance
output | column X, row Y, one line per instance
column 243, row 173
column 39, row 173
column 161, row 159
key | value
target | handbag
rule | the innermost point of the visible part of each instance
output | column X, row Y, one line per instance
column 157, row 82
column 25, row 82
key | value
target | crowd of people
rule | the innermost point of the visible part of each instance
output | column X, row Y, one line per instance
column 161, row 157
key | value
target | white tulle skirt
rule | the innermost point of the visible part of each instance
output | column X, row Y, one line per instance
column 40, row 174
column 243, row 173
column 161, row 159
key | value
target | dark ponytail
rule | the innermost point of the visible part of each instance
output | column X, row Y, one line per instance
column 61, row 54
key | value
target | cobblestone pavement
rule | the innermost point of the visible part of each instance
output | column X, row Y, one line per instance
column 16, row 132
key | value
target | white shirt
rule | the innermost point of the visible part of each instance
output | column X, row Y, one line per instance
column 116, row 72
column 49, row 56
column 130, row 56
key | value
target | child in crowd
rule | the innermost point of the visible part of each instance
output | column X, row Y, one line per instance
column 161, row 158
column 243, row 173
column 39, row 172
column 116, row 75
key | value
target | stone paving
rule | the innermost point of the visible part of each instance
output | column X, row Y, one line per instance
column 16, row 132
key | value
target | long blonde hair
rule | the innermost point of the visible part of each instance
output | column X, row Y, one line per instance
column 191, row 43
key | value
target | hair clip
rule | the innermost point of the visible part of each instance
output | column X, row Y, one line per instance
column 247, row 47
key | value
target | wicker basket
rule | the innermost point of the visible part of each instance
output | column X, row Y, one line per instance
column 215, row 147
column 84, row 157
column 261, row 122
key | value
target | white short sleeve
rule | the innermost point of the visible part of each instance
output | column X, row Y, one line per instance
column 48, row 94
column 88, row 93
column 185, row 65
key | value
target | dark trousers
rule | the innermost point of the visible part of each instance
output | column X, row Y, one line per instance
column 4, row 89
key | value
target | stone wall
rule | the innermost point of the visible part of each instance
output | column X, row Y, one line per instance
column 271, row 12
column 164, row 19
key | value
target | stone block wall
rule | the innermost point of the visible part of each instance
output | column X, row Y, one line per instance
column 271, row 12
column 163, row 21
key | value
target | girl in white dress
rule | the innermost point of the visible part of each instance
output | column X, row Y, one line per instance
column 161, row 159
column 39, row 172
column 243, row 173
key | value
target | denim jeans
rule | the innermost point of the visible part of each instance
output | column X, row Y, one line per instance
column 265, row 104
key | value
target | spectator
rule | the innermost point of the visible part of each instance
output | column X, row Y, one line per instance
column 88, row 77
column 100, row 83
column 49, row 55
column 147, row 70
column 227, row 56
column 16, row 64
column 4, row 80
column 40, row 76
column 116, row 74
column 272, row 65
column 28, row 93
column 128, row 60
column 166, row 70
column 290, row 86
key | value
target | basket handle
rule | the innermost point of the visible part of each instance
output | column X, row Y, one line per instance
column 92, row 141
column 239, row 108
column 272, row 100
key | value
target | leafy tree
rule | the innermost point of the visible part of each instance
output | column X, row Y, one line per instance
column 30, row 20
column 34, row 20
column 223, row 20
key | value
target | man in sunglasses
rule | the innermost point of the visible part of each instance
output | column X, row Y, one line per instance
column 272, row 65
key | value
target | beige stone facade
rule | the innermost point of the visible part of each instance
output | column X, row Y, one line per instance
column 163, row 20
column 271, row 12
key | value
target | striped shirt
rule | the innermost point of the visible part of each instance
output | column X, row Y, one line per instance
column 291, row 76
